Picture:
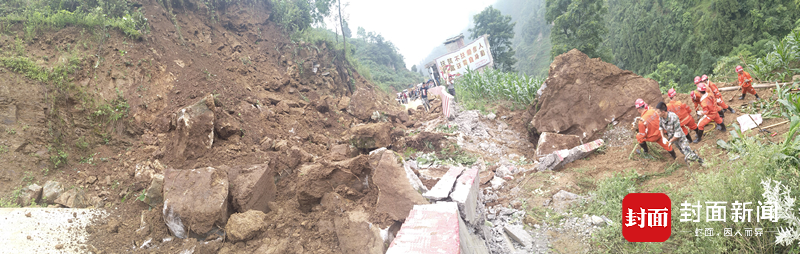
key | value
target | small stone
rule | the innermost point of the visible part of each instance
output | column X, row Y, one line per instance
column 69, row 220
column 59, row 246
column 491, row 116
column 29, row 237
column 28, row 214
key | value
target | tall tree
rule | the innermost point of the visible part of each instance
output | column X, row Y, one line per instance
column 414, row 68
column 577, row 24
column 500, row 30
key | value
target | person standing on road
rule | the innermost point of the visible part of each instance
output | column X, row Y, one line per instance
column 670, row 127
column 709, row 112
column 745, row 83
column 451, row 86
column 683, row 112
column 423, row 93
column 648, row 125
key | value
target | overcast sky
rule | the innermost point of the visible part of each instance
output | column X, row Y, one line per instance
column 414, row 26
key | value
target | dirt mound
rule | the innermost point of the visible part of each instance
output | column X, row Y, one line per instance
column 584, row 95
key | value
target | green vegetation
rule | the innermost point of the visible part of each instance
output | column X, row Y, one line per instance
column 40, row 15
column 577, row 24
column 500, row 30
column 299, row 15
column 371, row 56
column 476, row 89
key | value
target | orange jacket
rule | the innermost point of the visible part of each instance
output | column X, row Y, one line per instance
column 744, row 79
column 709, row 104
column 714, row 89
column 680, row 109
column 649, row 126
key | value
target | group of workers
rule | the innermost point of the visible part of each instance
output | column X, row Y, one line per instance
column 420, row 92
column 669, row 123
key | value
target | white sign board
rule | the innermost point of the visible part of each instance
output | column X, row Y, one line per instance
column 474, row 55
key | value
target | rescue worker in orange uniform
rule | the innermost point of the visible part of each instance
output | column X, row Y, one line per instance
column 745, row 82
column 648, row 125
column 708, row 112
column 717, row 94
column 721, row 112
column 683, row 112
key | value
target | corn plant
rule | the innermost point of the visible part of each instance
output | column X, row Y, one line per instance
column 475, row 89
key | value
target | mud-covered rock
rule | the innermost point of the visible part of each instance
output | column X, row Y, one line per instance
column 244, row 226
column 30, row 194
column 74, row 198
column 252, row 188
column 226, row 126
column 397, row 197
column 356, row 235
column 198, row 198
column 153, row 196
column 344, row 102
column 195, row 126
column 371, row 136
column 584, row 95
column 51, row 191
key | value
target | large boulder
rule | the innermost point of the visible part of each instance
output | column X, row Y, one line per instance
column 197, row 199
column 371, row 136
column 584, row 95
column 195, row 126
column 252, row 187
column 551, row 142
column 559, row 158
column 397, row 197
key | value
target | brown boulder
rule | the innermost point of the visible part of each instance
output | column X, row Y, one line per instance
column 356, row 235
column 30, row 194
column 252, row 187
column 195, row 126
column 342, row 152
column 226, row 126
column 197, row 197
column 244, row 226
column 344, row 102
column 73, row 198
column 584, row 95
column 371, row 136
column 397, row 197
column 551, row 142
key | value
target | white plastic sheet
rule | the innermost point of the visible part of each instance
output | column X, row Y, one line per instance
column 746, row 123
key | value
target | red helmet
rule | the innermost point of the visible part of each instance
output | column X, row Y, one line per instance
column 701, row 87
column 640, row 103
column 697, row 80
column 694, row 96
column 739, row 68
column 704, row 78
column 671, row 93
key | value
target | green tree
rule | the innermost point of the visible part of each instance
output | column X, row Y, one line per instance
column 577, row 24
column 500, row 30
column 346, row 30
column 362, row 33
column 414, row 68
